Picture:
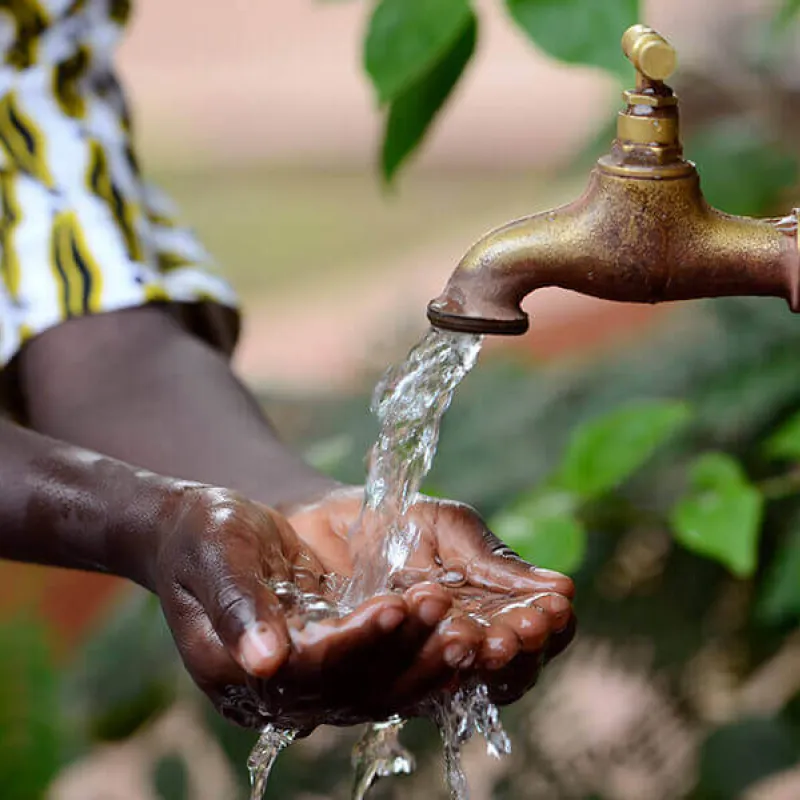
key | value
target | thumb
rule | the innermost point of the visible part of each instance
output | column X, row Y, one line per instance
column 249, row 621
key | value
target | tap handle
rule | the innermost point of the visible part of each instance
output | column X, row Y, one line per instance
column 652, row 55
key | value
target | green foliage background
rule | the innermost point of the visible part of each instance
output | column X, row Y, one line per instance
column 683, row 449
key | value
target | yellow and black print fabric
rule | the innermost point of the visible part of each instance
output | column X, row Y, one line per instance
column 81, row 232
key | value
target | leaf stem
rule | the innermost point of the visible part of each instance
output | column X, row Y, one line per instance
column 781, row 486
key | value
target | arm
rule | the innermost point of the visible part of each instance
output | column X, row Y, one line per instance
column 136, row 385
column 211, row 556
column 52, row 513
column 165, row 400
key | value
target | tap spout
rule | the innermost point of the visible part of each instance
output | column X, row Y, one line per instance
column 641, row 233
column 627, row 239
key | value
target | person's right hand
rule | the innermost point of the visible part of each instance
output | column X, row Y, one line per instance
column 225, row 573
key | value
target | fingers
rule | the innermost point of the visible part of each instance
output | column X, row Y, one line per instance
column 524, row 627
column 318, row 645
column 344, row 669
column 461, row 533
column 428, row 604
column 496, row 565
column 521, row 638
column 500, row 646
column 509, row 684
column 263, row 647
column 207, row 660
column 452, row 648
column 561, row 639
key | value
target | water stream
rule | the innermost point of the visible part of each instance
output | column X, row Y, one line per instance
column 379, row 754
column 409, row 402
column 264, row 755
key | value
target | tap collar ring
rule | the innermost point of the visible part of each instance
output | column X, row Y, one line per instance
column 480, row 325
column 634, row 98
column 625, row 169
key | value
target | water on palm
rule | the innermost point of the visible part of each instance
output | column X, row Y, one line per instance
column 409, row 402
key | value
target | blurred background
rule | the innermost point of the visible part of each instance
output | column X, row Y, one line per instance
column 257, row 117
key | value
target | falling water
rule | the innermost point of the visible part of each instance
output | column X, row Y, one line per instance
column 459, row 716
column 273, row 739
column 379, row 754
column 263, row 757
column 409, row 402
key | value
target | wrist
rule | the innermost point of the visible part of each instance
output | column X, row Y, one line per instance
column 144, row 519
column 304, row 490
column 332, row 493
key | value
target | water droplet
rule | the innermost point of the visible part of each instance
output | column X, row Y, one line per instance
column 453, row 578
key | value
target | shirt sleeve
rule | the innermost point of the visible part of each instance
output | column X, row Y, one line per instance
column 81, row 232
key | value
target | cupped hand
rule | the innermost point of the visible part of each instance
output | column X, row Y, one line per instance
column 250, row 597
column 505, row 617
column 251, row 606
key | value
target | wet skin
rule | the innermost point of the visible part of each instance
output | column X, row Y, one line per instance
column 163, row 399
column 385, row 657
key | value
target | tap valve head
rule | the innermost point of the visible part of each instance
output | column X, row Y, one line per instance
column 648, row 128
column 650, row 53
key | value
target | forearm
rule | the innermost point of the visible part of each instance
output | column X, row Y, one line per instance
column 136, row 386
column 67, row 507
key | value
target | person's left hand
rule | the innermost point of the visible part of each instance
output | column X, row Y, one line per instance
column 507, row 617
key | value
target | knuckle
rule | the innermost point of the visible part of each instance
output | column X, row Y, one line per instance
column 234, row 609
column 498, row 548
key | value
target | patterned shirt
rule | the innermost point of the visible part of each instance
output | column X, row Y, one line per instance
column 81, row 231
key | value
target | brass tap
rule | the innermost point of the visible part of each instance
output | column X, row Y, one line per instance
column 642, row 232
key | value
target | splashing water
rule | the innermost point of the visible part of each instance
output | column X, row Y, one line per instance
column 459, row 716
column 274, row 739
column 379, row 754
column 409, row 402
column 263, row 757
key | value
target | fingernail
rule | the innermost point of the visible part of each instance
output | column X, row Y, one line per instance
column 547, row 574
column 431, row 611
column 559, row 609
column 258, row 644
column 467, row 661
column 559, row 604
column 390, row 618
column 454, row 654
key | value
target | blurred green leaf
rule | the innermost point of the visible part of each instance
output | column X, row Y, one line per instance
column 787, row 12
column 127, row 672
column 741, row 169
column 30, row 722
column 579, row 31
column 785, row 442
column 720, row 517
column 413, row 110
column 605, row 451
column 406, row 39
column 780, row 597
column 171, row 778
column 739, row 755
column 542, row 528
column 328, row 454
